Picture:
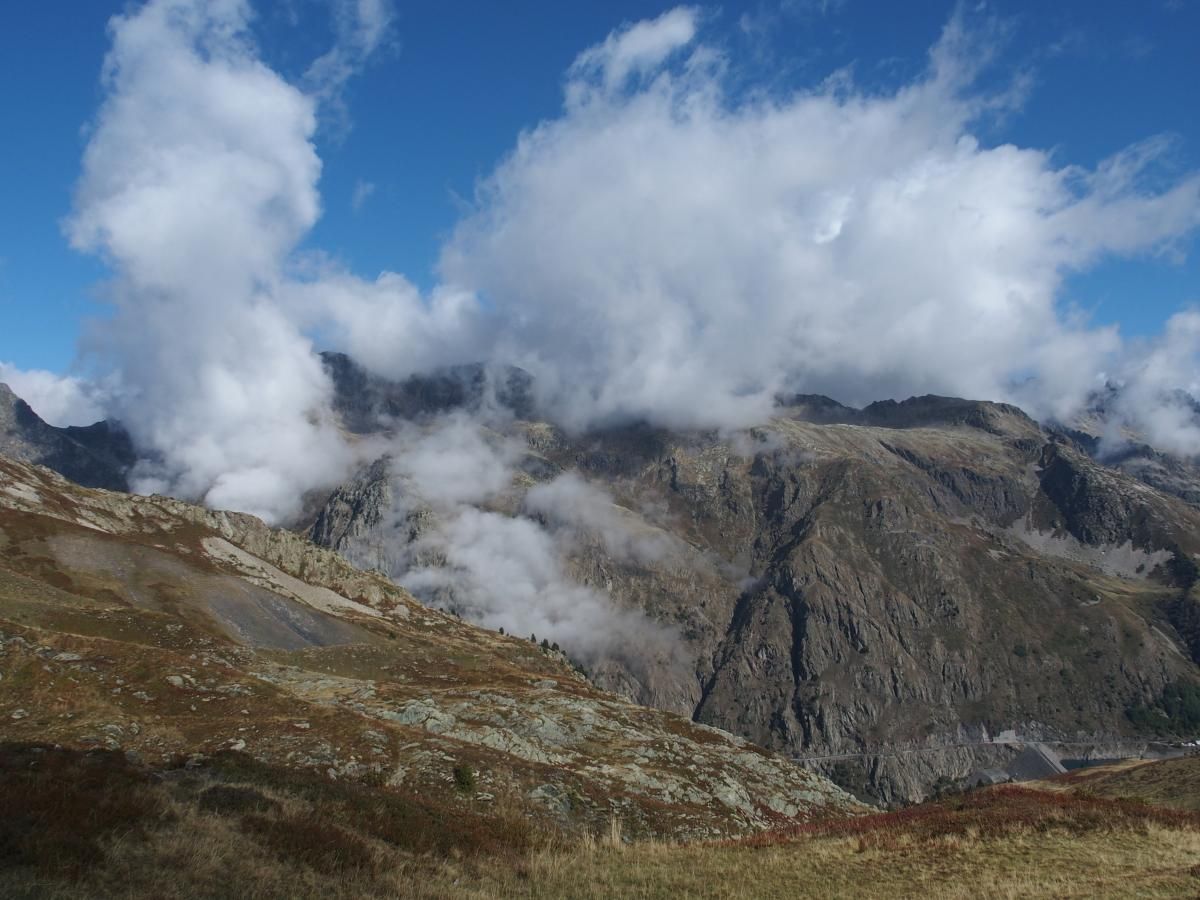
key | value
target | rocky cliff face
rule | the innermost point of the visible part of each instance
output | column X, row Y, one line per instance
column 1100, row 432
column 365, row 403
column 901, row 583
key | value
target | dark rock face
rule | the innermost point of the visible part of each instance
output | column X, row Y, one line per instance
column 99, row 455
column 924, row 577
column 364, row 401
column 1097, row 506
column 354, row 509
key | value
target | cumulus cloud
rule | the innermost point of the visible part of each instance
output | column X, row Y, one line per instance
column 1156, row 390
column 664, row 249
column 58, row 399
column 198, row 180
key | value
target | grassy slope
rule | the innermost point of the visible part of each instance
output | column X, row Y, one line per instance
column 1173, row 783
column 93, row 825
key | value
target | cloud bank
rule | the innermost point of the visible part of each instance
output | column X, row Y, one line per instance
column 668, row 251
column 452, row 538
column 663, row 249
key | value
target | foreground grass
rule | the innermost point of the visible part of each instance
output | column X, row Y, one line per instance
column 91, row 825
column 1007, row 842
column 1173, row 783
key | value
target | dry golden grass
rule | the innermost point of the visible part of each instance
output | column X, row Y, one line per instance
column 1009, row 842
column 1153, row 863
column 101, row 828
column 1173, row 783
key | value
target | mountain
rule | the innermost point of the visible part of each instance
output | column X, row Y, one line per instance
column 175, row 635
column 883, row 591
column 99, row 455
column 1100, row 430
column 902, row 595
column 364, row 402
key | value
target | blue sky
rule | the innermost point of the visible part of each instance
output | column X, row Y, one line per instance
column 435, row 110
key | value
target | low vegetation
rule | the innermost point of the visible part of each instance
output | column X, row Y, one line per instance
column 94, row 824
column 1170, row 783
column 1175, row 712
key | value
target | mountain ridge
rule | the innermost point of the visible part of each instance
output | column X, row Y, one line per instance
column 864, row 559
column 97, row 455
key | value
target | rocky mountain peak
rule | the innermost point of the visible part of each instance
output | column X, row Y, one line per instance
column 928, row 411
column 365, row 401
column 97, row 455
column 841, row 592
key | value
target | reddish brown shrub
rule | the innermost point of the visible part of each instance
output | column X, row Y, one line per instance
column 57, row 805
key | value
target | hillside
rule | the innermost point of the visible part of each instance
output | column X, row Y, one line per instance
column 98, row 826
column 172, row 633
column 1170, row 783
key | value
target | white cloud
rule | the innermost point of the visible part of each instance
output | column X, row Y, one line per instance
column 457, row 462
column 634, row 49
column 361, row 27
column 362, row 193
column 58, row 399
column 579, row 509
column 198, row 180
column 1151, row 380
column 387, row 325
column 505, row 570
column 669, row 252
